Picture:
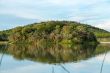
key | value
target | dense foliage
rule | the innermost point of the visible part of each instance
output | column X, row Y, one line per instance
column 3, row 37
column 53, row 31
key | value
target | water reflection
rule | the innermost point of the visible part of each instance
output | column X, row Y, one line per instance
column 53, row 58
column 51, row 53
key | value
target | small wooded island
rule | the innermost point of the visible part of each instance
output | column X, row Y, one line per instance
column 54, row 31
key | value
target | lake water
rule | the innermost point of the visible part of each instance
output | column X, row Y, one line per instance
column 55, row 59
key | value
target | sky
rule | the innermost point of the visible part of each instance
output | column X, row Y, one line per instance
column 22, row 12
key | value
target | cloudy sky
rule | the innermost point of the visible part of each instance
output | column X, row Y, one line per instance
column 21, row 12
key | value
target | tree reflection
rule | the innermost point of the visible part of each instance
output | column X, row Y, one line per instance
column 54, row 53
column 51, row 53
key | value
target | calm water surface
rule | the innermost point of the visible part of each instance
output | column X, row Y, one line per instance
column 55, row 59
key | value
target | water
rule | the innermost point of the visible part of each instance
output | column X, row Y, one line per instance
column 55, row 59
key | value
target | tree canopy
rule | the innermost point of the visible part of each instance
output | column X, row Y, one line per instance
column 54, row 31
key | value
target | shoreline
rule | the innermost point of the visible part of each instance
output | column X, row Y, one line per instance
column 5, row 42
column 105, row 42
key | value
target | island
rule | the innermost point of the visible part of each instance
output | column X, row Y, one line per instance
column 63, row 32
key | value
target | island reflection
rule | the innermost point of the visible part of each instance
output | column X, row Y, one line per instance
column 53, row 54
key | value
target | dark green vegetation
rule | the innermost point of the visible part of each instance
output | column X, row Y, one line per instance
column 54, row 31
column 54, row 53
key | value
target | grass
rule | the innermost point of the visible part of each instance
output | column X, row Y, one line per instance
column 104, row 39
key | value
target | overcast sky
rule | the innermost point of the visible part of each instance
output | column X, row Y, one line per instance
column 21, row 12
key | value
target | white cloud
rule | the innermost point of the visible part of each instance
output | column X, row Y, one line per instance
column 101, row 57
column 91, row 12
column 57, row 2
column 104, row 25
column 31, row 68
column 40, row 8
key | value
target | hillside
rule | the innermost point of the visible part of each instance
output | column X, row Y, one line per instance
column 54, row 31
